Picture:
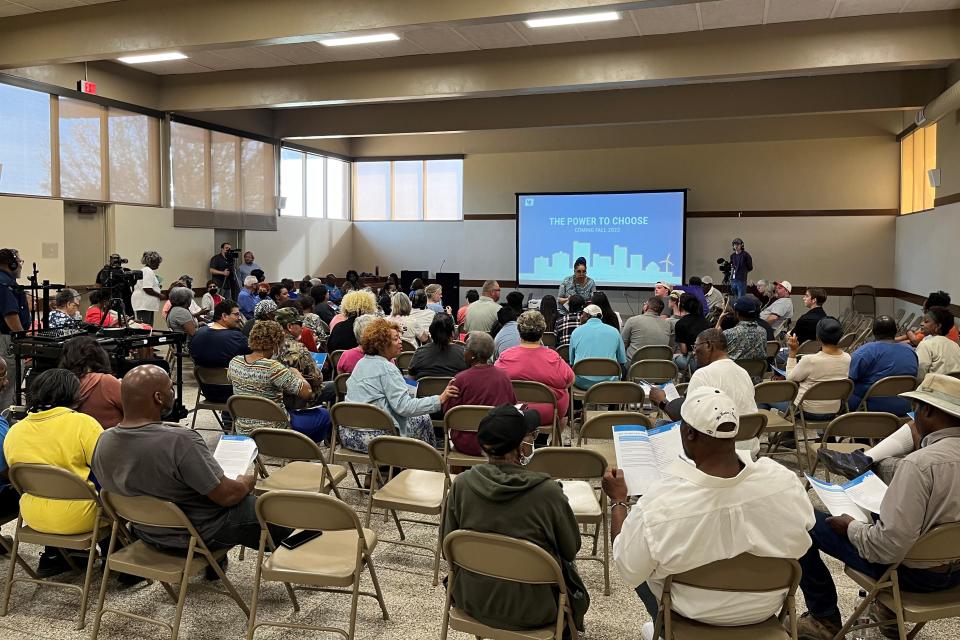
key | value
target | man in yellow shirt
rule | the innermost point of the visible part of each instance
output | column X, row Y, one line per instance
column 54, row 434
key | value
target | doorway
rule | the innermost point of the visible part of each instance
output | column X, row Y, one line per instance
column 85, row 243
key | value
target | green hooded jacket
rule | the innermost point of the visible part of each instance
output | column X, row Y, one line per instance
column 513, row 501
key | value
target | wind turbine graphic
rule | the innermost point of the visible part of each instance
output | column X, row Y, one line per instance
column 666, row 264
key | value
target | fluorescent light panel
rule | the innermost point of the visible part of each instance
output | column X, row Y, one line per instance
column 367, row 39
column 582, row 18
column 153, row 57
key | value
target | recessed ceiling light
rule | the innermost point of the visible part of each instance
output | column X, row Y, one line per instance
column 367, row 39
column 153, row 57
column 582, row 18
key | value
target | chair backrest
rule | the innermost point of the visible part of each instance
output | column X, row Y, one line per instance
column 743, row 573
column 406, row 345
column 889, row 387
column 466, row 417
column 568, row 462
column 147, row 511
column 305, row 510
column 809, row 347
column 614, row 392
column 830, row 390
column 256, row 408
column 406, row 453
column 356, row 415
column 285, row 443
column 549, row 339
column 756, row 367
column 335, row 358
column 652, row 352
column 939, row 544
column 875, row 425
column 653, row 370
column 340, row 384
column 847, row 340
column 751, row 426
column 773, row 348
column 597, row 367
column 530, row 391
column 208, row 375
column 864, row 299
column 497, row 556
column 601, row 425
column 564, row 352
column 404, row 359
column 775, row 391
column 48, row 481
column 432, row 385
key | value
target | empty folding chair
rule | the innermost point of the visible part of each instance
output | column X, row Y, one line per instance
column 755, row 367
column 619, row 395
column 652, row 352
column 808, row 348
column 600, row 427
column 305, row 468
column 858, row 425
column 528, row 391
column 403, row 361
column 838, row 390
column 335, row 358
column 549, row 339
column 654, row 371
column 465, row 418
column 778, row 424
column 889, row 387
column 340, row 384
column 359, row 417
column 605, row 367
column 206, row 376
column 433, row 386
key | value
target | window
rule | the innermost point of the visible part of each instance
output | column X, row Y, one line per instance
column 81, row 150
column 134, row 144
column 918, row 154
column 220, row 171
column 25, row 159
column 408, row 190
column 313, row 185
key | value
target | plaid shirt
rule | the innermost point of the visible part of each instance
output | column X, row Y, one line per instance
column 565, row 326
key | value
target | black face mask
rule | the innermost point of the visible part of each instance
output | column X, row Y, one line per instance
column 213, row 290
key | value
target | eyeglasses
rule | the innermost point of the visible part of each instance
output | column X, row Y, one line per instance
column 236, row 314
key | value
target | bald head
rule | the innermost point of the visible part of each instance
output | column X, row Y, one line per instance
column 146, row 393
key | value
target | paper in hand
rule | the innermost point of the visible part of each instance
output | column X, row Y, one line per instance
column 235, row 454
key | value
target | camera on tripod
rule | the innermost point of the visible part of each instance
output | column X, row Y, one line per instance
column 725, row 268
column 233, row 254
column 114, row 275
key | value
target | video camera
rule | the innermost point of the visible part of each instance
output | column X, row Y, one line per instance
column 114, row 275
column 233, row 254
column 725, row 268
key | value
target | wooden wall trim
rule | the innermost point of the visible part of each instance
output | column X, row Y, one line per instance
column 952, row 198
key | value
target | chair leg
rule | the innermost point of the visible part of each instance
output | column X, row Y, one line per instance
column 396, row 520
column 88, row 576
column 11, row 567
column 376, row 587
column 606, row 555
column 103, row 585
column 916, row 630
column 255, row 597
column 436, row 556
column 353, row 604
column 231, row 590
column 193, row 423
column 182, row 593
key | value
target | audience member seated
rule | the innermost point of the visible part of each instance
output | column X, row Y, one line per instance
column 648, row 328
column 54, row 433
column 716, row 370
column 688, row 327
column 780, row 310
column 212, row 298
column 879, row 359
column 295, row 355
column 830, row 363
column 144, row 456
column 568, row 322
column 99, row 395
column 265, row 310
column 503, row 497
column 662, row 290
column 480, row 384
column 416, row 285
column 713, row 295
column 67, row 313
column 922, row 494
column 279, row 294
column 471, row 297
column 595, row 339
column 937, row 353
column 321, row 304
column 330, row 282
column 354, row 304
column 711, row 506
column 420, row 315
column 806, row 326
column 695, row 288
column 349, row 358
column 549, row 310
column 532, row 361
column 100, row 306
column 435, row 298
column 482, row 314
column 935, row 299
column 307, row 337
column 179, row 318
column 441, row 356
column 258, row 374
column 765, row 292
column 507, row 335
column 377, row 381
column 195, row 310
column 672, row 312
column 9, row 498
column 400, row 309
column 609, row 316
column 746, row 340
column 314, row 335
column 214, row 345
column 247, row 299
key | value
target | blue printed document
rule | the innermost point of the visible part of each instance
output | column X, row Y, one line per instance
column 857, row 498
column 319, row 358
column 235, row 454
column 643, row 453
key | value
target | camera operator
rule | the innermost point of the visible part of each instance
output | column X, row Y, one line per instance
column 223, row 271
column 741, row 264
column 16, row 316
column 147, row 294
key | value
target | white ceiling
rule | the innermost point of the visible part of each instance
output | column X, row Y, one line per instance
column 20, row 7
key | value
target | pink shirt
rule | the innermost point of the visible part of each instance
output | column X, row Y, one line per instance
column 337, row 319
column 540, row 365
column 349, row 359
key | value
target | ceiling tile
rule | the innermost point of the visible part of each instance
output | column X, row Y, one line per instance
column 791, row 10
column 547, row 35
column 622, row 28
column 438, row 40
column 674, row 19
column 253, row 57
column 724, row 14
column 350, row 52
column 866, row 7
column 401, row 47
column 173, row 66
column 50, row 5
column 302, row 52
column 491, row 36
column 932, row 5
column 14, row 10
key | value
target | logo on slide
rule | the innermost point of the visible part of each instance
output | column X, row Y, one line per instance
column 528, row 202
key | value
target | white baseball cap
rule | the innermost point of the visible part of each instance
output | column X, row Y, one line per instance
column 707, row 409
column 593, row 310
column 785, row 284
column 706, row 280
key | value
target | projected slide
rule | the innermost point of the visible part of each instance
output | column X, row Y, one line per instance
column 629, row 239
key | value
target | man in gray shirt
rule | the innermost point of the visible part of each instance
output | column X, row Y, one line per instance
column 780, row 310
column 921, row 496
column 143, row 456
column 482, row 314
column 646, row 329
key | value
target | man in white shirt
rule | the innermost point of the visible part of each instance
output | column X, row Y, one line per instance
column 716, row 370
column 713, row 295
column 710, row 505
column 780, row 310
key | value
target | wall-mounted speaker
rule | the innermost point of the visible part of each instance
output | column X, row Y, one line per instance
column 933, row 175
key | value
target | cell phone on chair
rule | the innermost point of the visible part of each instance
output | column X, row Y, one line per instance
column 298, row 539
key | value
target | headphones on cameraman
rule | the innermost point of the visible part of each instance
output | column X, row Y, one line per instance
column 14, row 263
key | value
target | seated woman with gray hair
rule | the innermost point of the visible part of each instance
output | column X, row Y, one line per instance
column 482, row 384
column 179, row 317
column 67, row 313
column 195, row 310
column 400, row 308
column 349, row 358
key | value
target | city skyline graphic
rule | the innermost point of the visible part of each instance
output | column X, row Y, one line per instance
column 622, row 266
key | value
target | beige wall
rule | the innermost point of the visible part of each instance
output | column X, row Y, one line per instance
column 28, row 224
column 114, row 80
column 302, row 246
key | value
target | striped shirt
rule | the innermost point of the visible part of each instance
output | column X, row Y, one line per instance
column 264, row 378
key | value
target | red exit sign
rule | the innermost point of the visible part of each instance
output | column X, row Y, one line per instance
column 84, row 86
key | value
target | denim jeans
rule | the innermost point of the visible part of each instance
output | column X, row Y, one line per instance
column 738, row 288
column 684, row 360
column 817, row 584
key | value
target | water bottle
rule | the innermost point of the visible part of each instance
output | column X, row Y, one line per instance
column 864, row 618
